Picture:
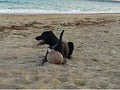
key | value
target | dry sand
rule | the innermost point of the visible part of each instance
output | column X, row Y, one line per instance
column 96, row 58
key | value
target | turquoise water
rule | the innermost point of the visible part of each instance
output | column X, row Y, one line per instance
column 58, row 6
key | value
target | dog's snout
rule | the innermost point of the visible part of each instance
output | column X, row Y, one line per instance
column 37, row 38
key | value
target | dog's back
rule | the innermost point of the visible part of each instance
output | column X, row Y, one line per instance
column 67, row 47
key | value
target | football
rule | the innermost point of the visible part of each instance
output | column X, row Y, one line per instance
column 55, row 57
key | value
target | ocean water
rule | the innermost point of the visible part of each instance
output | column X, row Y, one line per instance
column 58, row 6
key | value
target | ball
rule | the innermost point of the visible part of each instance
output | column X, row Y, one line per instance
column 55, row 57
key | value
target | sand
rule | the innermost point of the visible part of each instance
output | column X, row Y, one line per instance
column 95, row 63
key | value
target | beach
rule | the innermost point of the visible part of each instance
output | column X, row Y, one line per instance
column 95, row 62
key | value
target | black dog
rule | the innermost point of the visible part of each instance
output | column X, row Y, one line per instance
column 48, row 37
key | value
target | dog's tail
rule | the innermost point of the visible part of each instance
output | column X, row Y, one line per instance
column 61, row 36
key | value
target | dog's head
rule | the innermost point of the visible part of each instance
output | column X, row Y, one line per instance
column 45, row 37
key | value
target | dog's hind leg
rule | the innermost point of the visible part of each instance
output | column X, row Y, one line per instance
column 71, row 48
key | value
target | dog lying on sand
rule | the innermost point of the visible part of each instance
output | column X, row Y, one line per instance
column 49, row 38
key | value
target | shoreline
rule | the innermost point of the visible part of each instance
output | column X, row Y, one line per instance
column 45, row 16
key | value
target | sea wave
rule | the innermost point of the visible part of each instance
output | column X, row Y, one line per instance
column 58, row 6
column 34, row 11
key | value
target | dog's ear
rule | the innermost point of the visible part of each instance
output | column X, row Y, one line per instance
column 51, row 31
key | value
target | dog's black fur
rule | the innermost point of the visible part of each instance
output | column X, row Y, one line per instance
column 48, row 37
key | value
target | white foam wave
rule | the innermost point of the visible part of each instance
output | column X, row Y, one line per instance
column 35, row 11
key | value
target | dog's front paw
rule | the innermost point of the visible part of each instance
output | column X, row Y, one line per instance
column 40, row 62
